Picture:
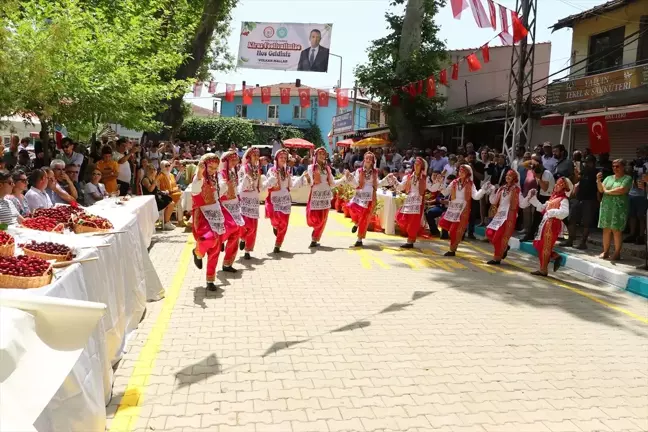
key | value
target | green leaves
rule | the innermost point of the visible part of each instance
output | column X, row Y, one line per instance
column 223, row 130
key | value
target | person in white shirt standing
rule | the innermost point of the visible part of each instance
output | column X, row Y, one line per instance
column 36, row 196
column 548, row 160
column 122, row 155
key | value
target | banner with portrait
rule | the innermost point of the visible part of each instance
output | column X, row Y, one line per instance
column 285, row 46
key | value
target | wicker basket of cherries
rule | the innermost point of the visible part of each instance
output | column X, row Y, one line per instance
column 24, row 272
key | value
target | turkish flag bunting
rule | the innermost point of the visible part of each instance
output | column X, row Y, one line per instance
column 485, row 53
column 322, row 98
column 473, row 63
column 505, row 35
column 197, row 89
column 419, row 87
column 431, row 87
column 493, row 15
column 342, row 98
column 506, row 38
column 455, row 71
column 443, row 77
column 479, row 13
column 212, row 87
column 285, row 95
column 519, row 31
column 247, row 95
column 458, row 6
column 229, row 92
column 304, row 97
column 265, row 95
column 599, row 140
column 395, row 100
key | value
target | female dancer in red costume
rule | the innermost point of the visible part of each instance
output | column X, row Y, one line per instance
column 208, row 218
column 410, row 214
column 508, row 200
column 321, row 194
column 366, row 182
column 249, row 187
column 278, row 203
column 554, row 211
column 462, row 191
column 228, row 183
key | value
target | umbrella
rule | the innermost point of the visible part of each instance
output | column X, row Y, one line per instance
column 345, row 143
column 370, row 142
column 298, row 143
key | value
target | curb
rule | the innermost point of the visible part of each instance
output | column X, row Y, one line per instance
column 635, row 284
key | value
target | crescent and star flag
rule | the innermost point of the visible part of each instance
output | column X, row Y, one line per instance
column 197, row 89
column 458, row 6
column 485, row 53
column 229, row 92
column 505, row 36
column 455, row 71
column 443, row 77
column 342, row 98
column 479, row 13
column 599, row 140
column 212, row 87
column 248, row 92
column 322, row 98
column 265, row 95
column 304, row 97
column 519, row 31
column 473, row 63
column 431, row 87
column 492, row 13
column 285, row 95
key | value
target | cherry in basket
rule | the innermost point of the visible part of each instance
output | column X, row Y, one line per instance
column 24, row 266
column 6, row 238
column 47, row 250
column 42, row 223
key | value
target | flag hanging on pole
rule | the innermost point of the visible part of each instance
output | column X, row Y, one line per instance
column 285, row 95
column 458, row 6
column 248, row 93
column 265, row 95
column 599, row 139
column 229, row 92
column 212, row 87
column 342, row 98
column 431, row 87
column 492, row 14
column 473, row 63
column 485, row 53
column 322, row 98
column 304, row 97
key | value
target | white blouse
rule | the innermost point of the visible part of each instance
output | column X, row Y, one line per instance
column 368, row 186
column 289, row 182
column 505, row 200
column 414, row 190
column 559, row 213
column 324, row 184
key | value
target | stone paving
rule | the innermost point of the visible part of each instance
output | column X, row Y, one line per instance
column 381, row 340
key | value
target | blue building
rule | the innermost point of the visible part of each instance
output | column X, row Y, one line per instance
column 293, row 114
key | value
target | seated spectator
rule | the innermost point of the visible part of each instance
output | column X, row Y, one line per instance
column 73, row 172
column 25, row 163
column 109, row 170
column 37, row 196
column 95, row 191
column 8, row 212
column 163, row 200
column 17, row 196
column 63, row 187
column 437, row 209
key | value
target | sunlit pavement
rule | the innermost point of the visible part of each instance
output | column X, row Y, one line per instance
column 381, row 339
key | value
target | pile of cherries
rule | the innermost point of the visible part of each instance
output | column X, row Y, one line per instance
column 6, row 238
column 61, row 214
column 95, row 222
column 48, row 248
column 24, row 266
column 42, row 223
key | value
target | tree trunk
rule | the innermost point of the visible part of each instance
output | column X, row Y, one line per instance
column 410, row 42
column 45, row 137
column 213, row 12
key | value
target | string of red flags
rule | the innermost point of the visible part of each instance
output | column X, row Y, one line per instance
column 304, row 94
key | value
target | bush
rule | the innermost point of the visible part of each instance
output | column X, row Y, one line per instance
column 314, row 135
column 223, row 130
column 264, row 133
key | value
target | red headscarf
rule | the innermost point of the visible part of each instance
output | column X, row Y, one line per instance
column 209, row 183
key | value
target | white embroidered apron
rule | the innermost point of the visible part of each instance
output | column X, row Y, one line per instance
column 233, row 207
column 281, row 201
column 455, row 208
column 214, row 216
column 250, row 204
column 321, row 196
column 412, row 204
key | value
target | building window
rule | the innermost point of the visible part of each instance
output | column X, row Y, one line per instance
column 606, row 51
column 241, row 111
column 642, row 48
column 299, row 112
column 273, row 112
column 374, row 116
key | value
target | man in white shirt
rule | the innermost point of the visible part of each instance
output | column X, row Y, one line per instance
column 36, row 196
column 122, row 155
column 548, row 159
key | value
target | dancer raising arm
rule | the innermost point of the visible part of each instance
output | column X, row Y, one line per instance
column 365, row 180
column 508, row 199
column 321, row 194
column 462, row 191
column 410, row 214
column 249, row 188
column 554, row 211
column 278, row 203
column 208, row 220
column 228, row 183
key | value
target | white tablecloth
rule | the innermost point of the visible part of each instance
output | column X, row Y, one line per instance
column 388, row 214
column 299, row 196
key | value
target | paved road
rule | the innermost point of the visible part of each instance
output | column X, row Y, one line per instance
column 380, row 339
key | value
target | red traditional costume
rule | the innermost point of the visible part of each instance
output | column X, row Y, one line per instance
column 321, row 194
column 279, row 202
column 361, row 207
column 410, row 215
column 208, row 219
column 508, row 200
column 455, row 220
column 228, row 183
column 249, row 187
column 554, row 211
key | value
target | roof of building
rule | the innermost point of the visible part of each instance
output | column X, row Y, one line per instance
column 275, row 90
column 201, row 111
column 595, row 11
column 500, row 103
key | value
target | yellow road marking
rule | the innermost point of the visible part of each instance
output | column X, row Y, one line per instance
column 129, row 408
column 367, row 259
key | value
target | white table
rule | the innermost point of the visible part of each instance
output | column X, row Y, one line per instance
column 389, row 209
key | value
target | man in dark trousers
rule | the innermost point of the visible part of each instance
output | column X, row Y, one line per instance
column 315, row 58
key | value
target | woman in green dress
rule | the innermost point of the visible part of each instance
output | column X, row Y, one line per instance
column 614, row 207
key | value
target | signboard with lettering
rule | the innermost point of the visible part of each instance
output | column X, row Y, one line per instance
column 557, row 120
column 343, row 123
column 597, row 85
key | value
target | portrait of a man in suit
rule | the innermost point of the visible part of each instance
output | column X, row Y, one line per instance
column 315, row 58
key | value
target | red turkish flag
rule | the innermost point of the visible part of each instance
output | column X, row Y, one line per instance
column 431, row 87
column 599, row 139
column 493, row 15
column 485, row 53
column 519, row 31
column 505, row 35
column 395, row 100
column 197, row 88
column 229, row 92
column 265, row 95
column 455, row 71
column 212, row 87
column 304, row 97
column 473, row 63
column 247, row 95
column 342, row 98
column 479, row 13
column 458, row 6
column 419, row 87
column 285, row 95
column 443, row 77
column 322, row 98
